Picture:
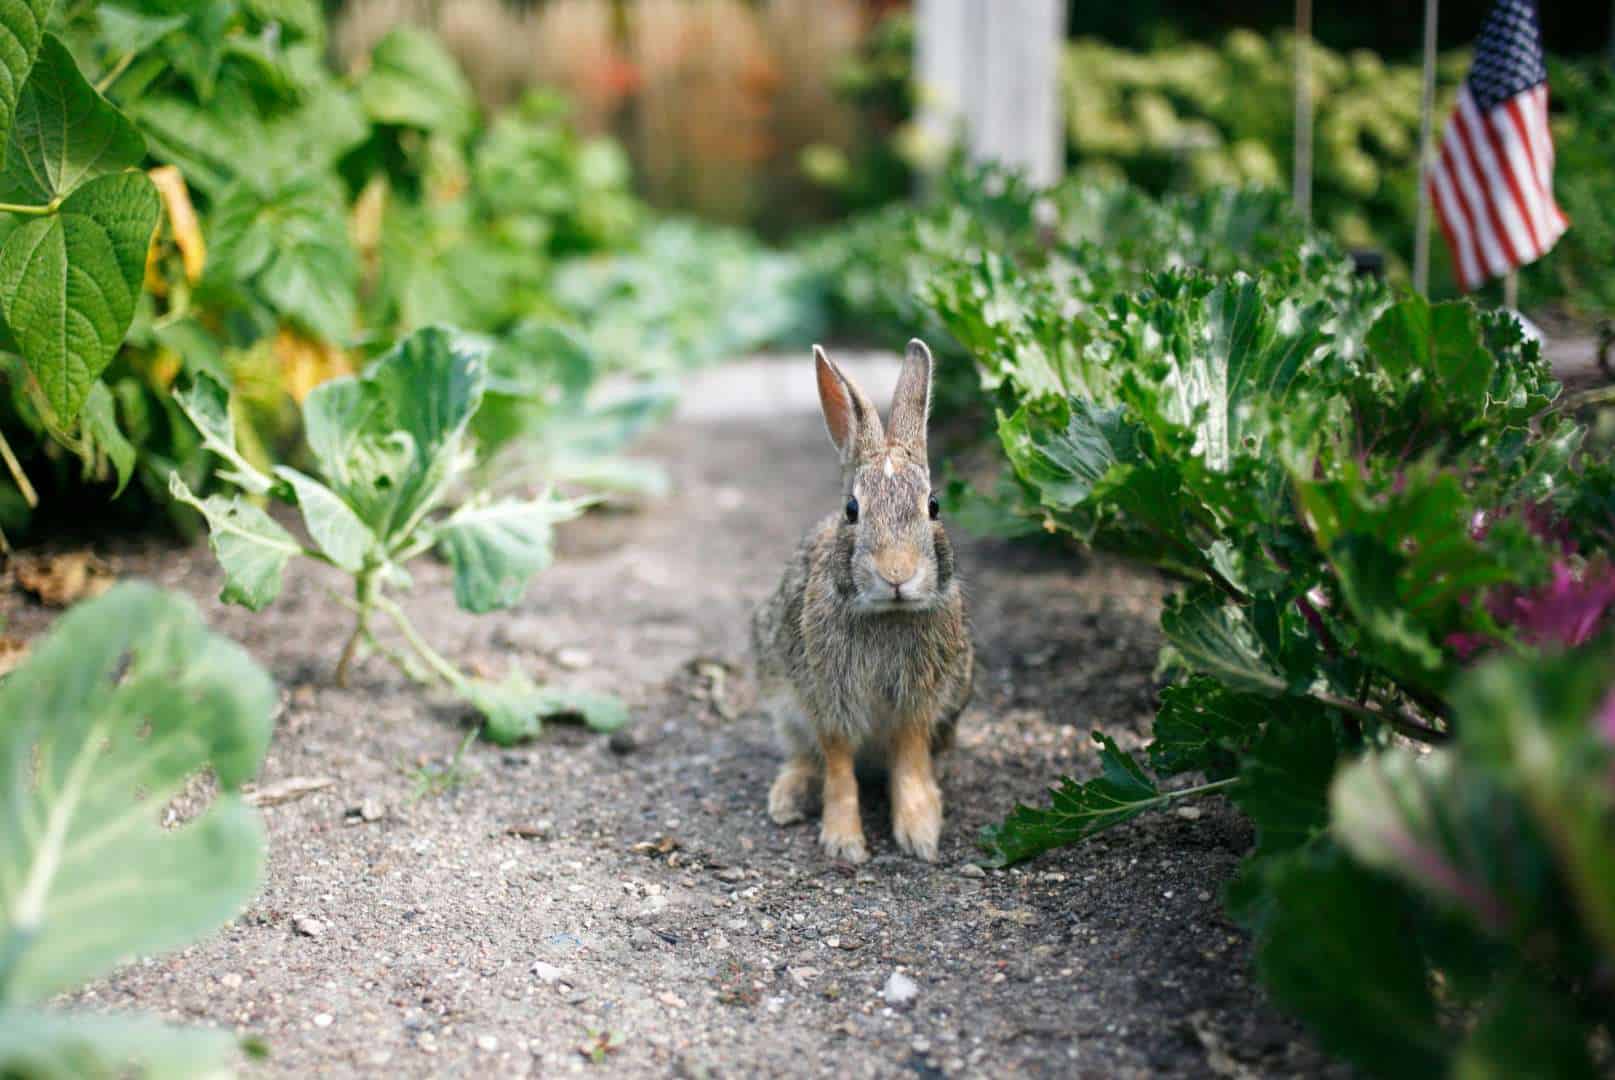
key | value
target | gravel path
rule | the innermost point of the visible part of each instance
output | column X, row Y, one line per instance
column 632, row 895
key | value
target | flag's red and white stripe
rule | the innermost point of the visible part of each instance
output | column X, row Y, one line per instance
column 1493, row 185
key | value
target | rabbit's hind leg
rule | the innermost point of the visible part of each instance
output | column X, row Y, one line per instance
column 789, row 798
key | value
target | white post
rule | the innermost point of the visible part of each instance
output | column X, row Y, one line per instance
column 1427, row 105
column 1302, row 181
column 989, row 72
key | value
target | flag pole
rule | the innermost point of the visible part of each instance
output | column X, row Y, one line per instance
column 1301, row 183
column 1511, row 290
column 1427, row 104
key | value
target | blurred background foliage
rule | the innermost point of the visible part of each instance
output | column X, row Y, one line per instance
column 337, row 174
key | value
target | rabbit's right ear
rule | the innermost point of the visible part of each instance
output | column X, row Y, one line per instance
column 851, row 420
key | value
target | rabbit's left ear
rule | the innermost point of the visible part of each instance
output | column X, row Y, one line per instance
column 911, row 401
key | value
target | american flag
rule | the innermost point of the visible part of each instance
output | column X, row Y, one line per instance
column 1493, row 183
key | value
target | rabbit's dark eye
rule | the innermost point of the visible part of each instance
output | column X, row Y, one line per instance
column 852, row 510
column 933, row 507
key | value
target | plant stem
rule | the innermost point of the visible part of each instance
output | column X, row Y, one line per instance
column 1185, row 793
column 32, row 211
column 106, row 81
column 1602, row 395
column 29, row 495
column 1403, row 725
column 445, row 670
column 364, row 599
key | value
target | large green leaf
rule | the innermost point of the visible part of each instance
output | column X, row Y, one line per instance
column 69, row 281
column 391, row 440
column 1527, row 1032
column 64, row 132
column 1408, row 568
column 22, row 29
column 127, row 698
column 251, row 546
column 1204, row 727
column 1103, row 480
column 1446, row 828
column 1216, row 637
column 1547, row 724
column 1435, row 353
column 1285, row 776
column 1331, row 945
column 414, row 82
column 331, row 522
column 516, row 708
column 1220, row 355
column 292, row 249
column 40, row 1045
column 496, row 549
column 126, row 30
column 1076, row 811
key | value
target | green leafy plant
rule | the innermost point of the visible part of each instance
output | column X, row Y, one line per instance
column 305, row 216
column 391, row 446
column 125, row 701
column 74, row 228
column 1364, row 495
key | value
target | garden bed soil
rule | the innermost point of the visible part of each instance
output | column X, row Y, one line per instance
column 631, row 894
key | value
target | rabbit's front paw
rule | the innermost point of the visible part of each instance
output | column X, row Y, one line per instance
column 917, row 818
column 842, row 841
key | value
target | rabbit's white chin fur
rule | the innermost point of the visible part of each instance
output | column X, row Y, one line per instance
column 880, row 605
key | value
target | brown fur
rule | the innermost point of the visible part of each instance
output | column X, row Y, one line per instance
column 863, row 651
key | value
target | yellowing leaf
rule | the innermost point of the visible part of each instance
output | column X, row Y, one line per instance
column 306, row 362
column 182, row 221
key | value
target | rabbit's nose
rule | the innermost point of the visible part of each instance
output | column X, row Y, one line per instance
column 896, row 571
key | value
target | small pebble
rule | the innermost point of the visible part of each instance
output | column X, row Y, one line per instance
column 730, row 874
column 900, row 990
column 548, row 973
column 1189, row 813
column 370, row 810
column 574, row 659
column 622, row 741
column 971, row 869
column 487, row 1043
column 309, row 926
column 323, row 1019
column 231, row 980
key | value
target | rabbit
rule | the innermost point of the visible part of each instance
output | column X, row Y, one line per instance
column 863, row 651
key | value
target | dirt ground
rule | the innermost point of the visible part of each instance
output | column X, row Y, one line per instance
column 632, row 894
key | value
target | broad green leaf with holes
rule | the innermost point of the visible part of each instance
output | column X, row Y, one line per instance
column 496, row 549
column 250, row 545
column 22, row 29
column 344, row 539
column 69, row 281
column 64, row 133
column 392, row 440
column 126, row 699
column 516, row 708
